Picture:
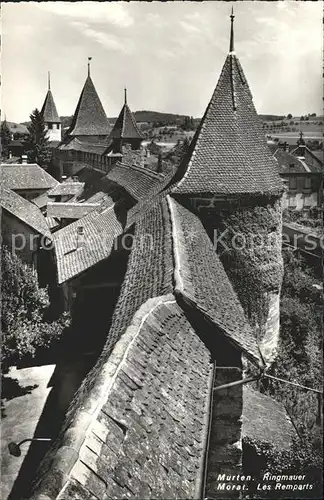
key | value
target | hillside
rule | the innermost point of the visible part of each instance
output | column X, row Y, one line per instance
column 161, row 119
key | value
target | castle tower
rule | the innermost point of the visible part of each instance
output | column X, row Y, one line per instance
column 125, row 130
column 231, row 180
column 50, row 115
column 89, row 121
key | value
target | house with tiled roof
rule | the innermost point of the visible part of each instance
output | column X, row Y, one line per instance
column 27, row 179
column 50, row 116
column 171, row 299
column 125, row 130
column 23, row 226
column 302, row 171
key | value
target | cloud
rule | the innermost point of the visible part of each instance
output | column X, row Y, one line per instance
column 107, row 40
column 189, row 28
column 93, row 12
column 155, row 20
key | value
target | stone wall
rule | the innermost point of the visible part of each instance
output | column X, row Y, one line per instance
column 247, row 235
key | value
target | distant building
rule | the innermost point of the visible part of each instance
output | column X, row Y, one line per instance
column 302, row 171
column 50, row 116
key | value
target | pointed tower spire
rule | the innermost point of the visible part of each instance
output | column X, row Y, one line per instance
column 89, row 118
column 125, row 129
column 231, row 49
column 229, row 152
column 50, row 115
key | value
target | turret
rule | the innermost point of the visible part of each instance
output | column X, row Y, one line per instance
column 230, row 178
column 125, row 129
column 89, row 120
column 50, row 115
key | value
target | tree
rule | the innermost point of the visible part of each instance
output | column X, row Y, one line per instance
column 24, row 330
column 5, row 138
column 289, row 116
column 38, row 141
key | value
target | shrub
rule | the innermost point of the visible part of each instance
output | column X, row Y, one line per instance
column 24, row 331
column 300, row 459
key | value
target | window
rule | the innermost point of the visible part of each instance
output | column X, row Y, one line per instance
column 293, row 183
column 292, row 202
column 307, row 183
column 50, row 126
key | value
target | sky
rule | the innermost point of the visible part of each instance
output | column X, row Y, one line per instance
column 168, row 55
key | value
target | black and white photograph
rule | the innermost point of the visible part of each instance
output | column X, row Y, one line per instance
column 161, row 204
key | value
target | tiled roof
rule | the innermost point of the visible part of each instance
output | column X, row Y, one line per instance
column 17, row 128
column 142, row 421
column 228, row 153
column 141, row 413
column 137, row 181
column 75, row 253
column 266, row 420
column 75, row 144
column 87, row 175
column 89, row 117
column 288, row 163
column 26, row 176
column 49, row 111
column 125, row 126
column 312, row 161
column 70, row 210
column 52, row 222
column 100, row 188
column 201, row 279
column 150, row 267
column 319, row 155
column 24, row 210
column 66, row 188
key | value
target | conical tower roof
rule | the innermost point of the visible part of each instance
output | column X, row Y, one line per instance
column 125, row 126
column 49, row 111
column 229, row 153
column 89, row 117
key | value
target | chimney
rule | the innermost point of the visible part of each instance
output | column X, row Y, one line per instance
column 24, row 159
column 160, row 164
column 80, row 236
